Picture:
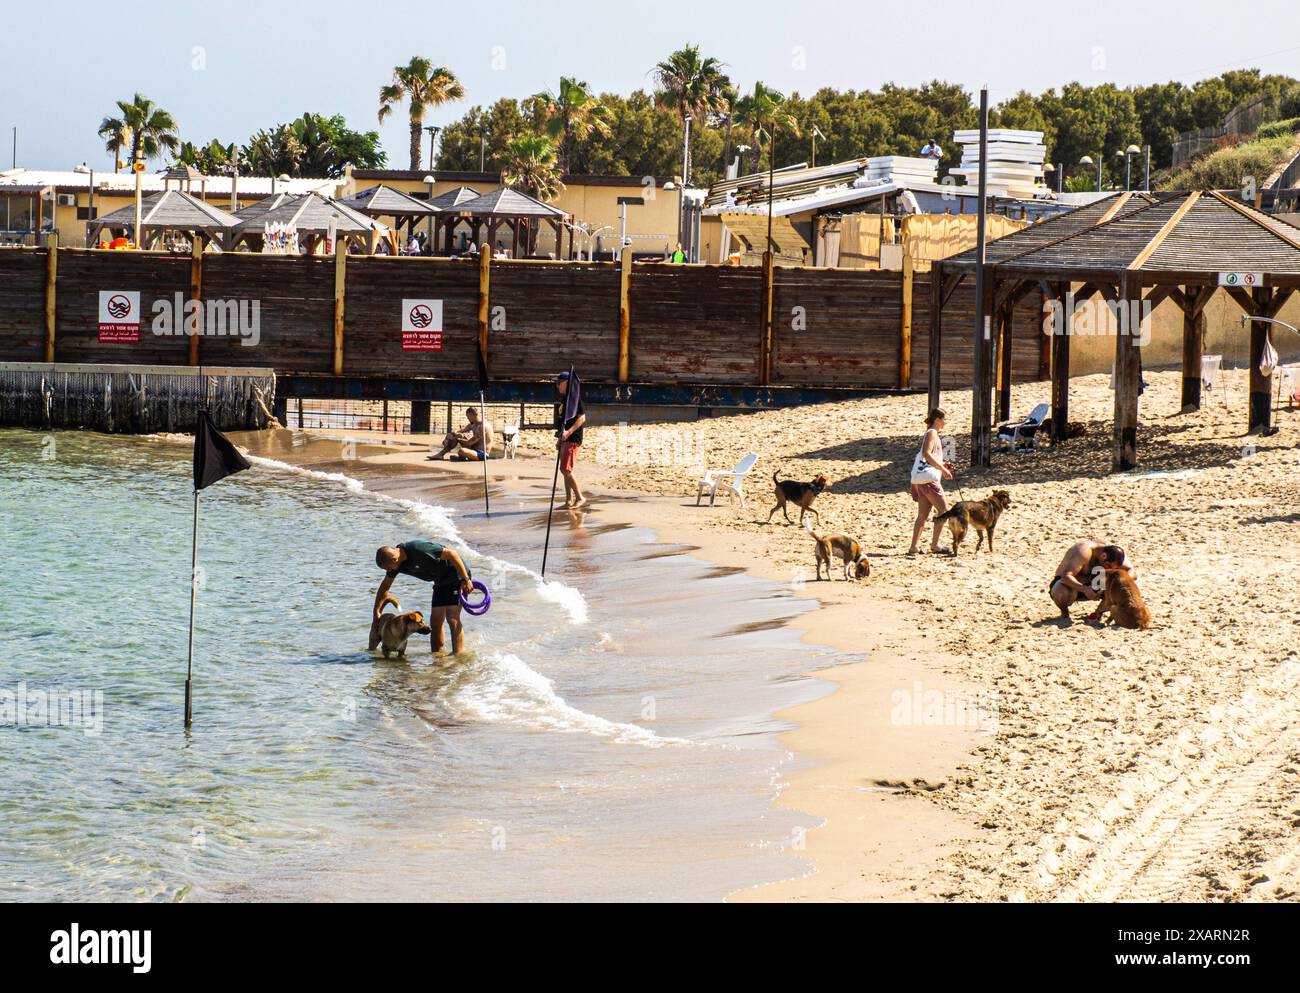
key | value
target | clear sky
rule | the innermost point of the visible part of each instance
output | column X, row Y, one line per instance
column 226, row 69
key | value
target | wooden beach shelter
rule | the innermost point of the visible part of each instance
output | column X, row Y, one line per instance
column 312, row 215
column 1130, row 250
column 445, row 204
column 170, row 212
column 383, row 201
column 515, row 211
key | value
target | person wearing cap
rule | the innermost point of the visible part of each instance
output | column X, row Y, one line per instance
column 931, row 150
column 1082, row 572
column 568, row 438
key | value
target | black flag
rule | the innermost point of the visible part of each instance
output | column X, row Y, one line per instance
column 215, row 456
column 482, row 368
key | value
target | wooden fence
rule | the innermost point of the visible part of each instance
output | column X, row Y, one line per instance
column 617, row 323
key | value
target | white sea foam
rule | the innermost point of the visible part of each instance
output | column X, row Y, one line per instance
column 504, row 689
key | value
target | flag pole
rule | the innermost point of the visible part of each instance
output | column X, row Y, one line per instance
column 487, row 453
column 189, row 666
column 556, row 477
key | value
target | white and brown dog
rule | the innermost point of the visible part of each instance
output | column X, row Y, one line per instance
column 846, row 549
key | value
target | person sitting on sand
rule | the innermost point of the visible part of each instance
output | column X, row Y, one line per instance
column 468, row 441
column 928, row 471
column 433, row 563
column 1082, row 572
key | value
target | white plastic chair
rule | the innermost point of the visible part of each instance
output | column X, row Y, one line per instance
column 1011, row 433
column 1211, row 366
column 728, row 481
column 1289, row 383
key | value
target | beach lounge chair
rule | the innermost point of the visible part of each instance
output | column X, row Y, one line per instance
column 1017, row 435
column 729, row 482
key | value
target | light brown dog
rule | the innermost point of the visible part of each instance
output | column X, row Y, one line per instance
column 846, row 549
column 800, row 494
column 1123, row 601
column 982, row 515
column 393, row 631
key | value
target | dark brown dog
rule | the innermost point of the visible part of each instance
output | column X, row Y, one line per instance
column 800, row 494
column 982, row 515
column 1123, row 601
column 393, row 631
column 844, row 548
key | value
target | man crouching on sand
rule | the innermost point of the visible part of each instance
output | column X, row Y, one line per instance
column 1082, row 572
column 432, row 563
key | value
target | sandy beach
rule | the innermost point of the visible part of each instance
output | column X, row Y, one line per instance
column 982, row 749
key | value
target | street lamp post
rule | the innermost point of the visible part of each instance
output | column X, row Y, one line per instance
column 430, row 180
column 1087, row 161
column 816, row 133
column 433, row 130
column 686, row 175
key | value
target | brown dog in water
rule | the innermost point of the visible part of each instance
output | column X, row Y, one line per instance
column 800, row 494
column 982, row 515
column 1123, row 601
column 846, row 549
column 393, row 631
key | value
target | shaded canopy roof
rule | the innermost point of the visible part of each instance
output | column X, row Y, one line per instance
column 383, row 201
column 265, row 206
column 170, row 209
column 1198, row 232
column 312, row 212
column 453, row 198
column 505, row 202
column 1055, row 228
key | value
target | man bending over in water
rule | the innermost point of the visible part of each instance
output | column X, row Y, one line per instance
column 1081, row 572
column 432, row 563
column 472, row 441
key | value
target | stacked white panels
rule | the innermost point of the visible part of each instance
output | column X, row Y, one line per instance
column 1015, row 165
column 902, row 169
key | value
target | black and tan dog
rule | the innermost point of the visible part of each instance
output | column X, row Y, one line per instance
column 982, row 515
column 393, row 631
column 800, row 494
column 842, row 547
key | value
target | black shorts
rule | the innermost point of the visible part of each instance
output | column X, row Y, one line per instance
column 446, row 596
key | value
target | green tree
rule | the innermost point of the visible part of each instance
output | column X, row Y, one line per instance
column 422, row 85
column 571, row 114
column 531, row 164
column 142, row 128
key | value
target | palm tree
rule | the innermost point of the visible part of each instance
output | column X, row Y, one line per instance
column 143, row 128
column 424, row 85
column 532, row 164
column 759, row 115
column 572, row 114
column 693, row 86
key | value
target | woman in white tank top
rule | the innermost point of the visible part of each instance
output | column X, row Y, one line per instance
column 928, row 472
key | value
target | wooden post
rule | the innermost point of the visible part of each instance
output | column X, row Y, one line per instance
column 981, row 451
column 1261, row 397
column 624, row 316
column 340, row 284
column 1044, row 339
column 1128, row 375
column 1060, row 345
column 51, row 280
column 765, row 323
column 196, row 293
column 936, row 334
column 905, row 331
column 1193, row 307
column 1004, row 361
column 484, row 278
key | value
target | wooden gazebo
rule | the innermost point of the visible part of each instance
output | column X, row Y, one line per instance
column 312, row 216
column 513, row 210
column 168, row 212
column 446, row 204
column 383, row 201
column 1130, row 250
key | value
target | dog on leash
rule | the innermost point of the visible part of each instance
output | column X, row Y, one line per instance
column 982, row 515
column 393, row 631
column 800, row 494
column 1123, row 601
column 840, row 546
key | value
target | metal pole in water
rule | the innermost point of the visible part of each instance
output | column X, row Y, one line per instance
column 189, row 666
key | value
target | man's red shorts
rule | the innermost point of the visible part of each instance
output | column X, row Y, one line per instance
column 568, row 455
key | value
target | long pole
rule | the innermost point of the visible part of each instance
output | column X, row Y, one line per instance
column 771, row 171
column 487, row 453
column 979, row 440
column 686, row 168
column 1146, row 167
column 555, row 479
column 189, row 665
column 1099, row 158
column 139, row 178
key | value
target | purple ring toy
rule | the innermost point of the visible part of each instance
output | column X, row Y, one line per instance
column 480, row 607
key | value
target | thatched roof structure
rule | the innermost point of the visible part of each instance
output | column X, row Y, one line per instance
column 383, row 201
column 453, row 198
column 312, row 216
column 509, row 208
column 160, row 213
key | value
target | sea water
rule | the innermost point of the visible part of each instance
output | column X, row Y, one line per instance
column 607, row 734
